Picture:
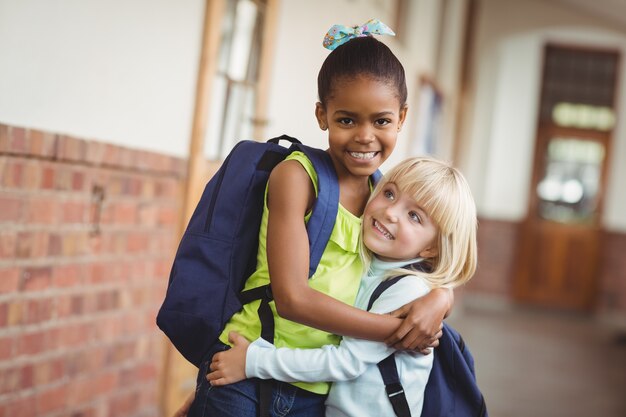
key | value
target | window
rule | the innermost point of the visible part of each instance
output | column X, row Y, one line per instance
column 233, row 98
column 578, row 117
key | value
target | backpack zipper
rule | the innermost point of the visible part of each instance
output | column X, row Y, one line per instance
column 218, row 186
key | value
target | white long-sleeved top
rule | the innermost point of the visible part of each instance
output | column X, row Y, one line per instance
column 358, row 388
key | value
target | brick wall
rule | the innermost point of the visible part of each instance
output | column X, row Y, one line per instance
column 496, row 255
column 87, row 234
column 612, row 292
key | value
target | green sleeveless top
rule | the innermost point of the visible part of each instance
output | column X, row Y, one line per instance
column 338, row 275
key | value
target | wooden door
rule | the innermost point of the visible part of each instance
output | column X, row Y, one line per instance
column 560, row 239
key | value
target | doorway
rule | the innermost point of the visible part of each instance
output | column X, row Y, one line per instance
column 560, row 239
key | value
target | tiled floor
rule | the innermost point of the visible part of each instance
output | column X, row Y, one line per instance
column 533, row 363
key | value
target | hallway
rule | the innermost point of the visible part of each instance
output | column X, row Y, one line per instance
column 533, row 363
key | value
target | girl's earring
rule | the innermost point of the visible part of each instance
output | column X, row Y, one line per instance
column 323, row 127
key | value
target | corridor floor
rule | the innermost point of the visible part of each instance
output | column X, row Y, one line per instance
column 533, row 363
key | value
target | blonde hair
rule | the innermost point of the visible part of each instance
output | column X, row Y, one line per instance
column 445, row 195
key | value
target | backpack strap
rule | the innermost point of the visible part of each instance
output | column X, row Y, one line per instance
column 387, row 367
column 324, row 212
column 381, row 288
column 320, row 224
column 393, row 386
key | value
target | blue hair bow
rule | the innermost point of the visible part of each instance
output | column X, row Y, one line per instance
column 340, row 34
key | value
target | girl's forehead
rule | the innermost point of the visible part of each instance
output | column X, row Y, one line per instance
column 362, row 89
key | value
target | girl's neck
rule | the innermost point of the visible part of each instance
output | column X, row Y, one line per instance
column 354, row 193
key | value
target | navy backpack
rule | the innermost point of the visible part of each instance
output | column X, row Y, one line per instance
column 217, row 252
column 451, row 391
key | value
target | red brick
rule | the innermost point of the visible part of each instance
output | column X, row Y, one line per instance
column 48, row 174
column 42, row 210
column 96, row 241
column 15, row 313
column 107, row 300
column 75, row 244
column 27, row 376
column 110, row 155
column 42, row 144
column 12, row 173
column 124, row 404
column 36, row 278
column 72, row 335
column 147, row 215
column 135, row 186
column 8, row 244
column 10, row 380
column 168, row 216
column 77, row 304
column 9, row 279
column 167, row 188
column 98, row 273
column 52, row 399
column 32, row 343
column 73, row 212
column 31, row 177
column 11, row 208
column 126, row 157
column 70, row 148
column 137, row 242
column 63, row 178
column 21, row 407
column 55, row 245
column 6, row 348
column 4, row 314
column 109, row 328
column 96, row 387
column 17, row 140
column 95, row 152
column 4, row 138
column 32, row 245
column 125, row 213
column 63, row 307
column 147, row 189
column 38, row 310
column 69, row 275
column 78, row 181
column 48, row 371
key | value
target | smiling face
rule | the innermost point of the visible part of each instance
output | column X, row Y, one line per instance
column 363, row 117
column 395, row 227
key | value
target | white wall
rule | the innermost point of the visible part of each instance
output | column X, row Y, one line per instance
column 509, row 152
column 125, row 71
column 498, row 161
column 118, row 71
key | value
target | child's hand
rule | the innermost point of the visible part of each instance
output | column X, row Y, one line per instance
column 423, row 321
column 229, row 366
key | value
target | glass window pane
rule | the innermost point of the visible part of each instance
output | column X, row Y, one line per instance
column 243, row 35
column 238, row 117
column 216, row 118
column 568, row 192
column 234, row 88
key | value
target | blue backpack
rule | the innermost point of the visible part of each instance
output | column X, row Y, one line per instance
column 451, row 390
column 217, row 252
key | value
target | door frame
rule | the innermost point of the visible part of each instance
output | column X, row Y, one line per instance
column 533, row 223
